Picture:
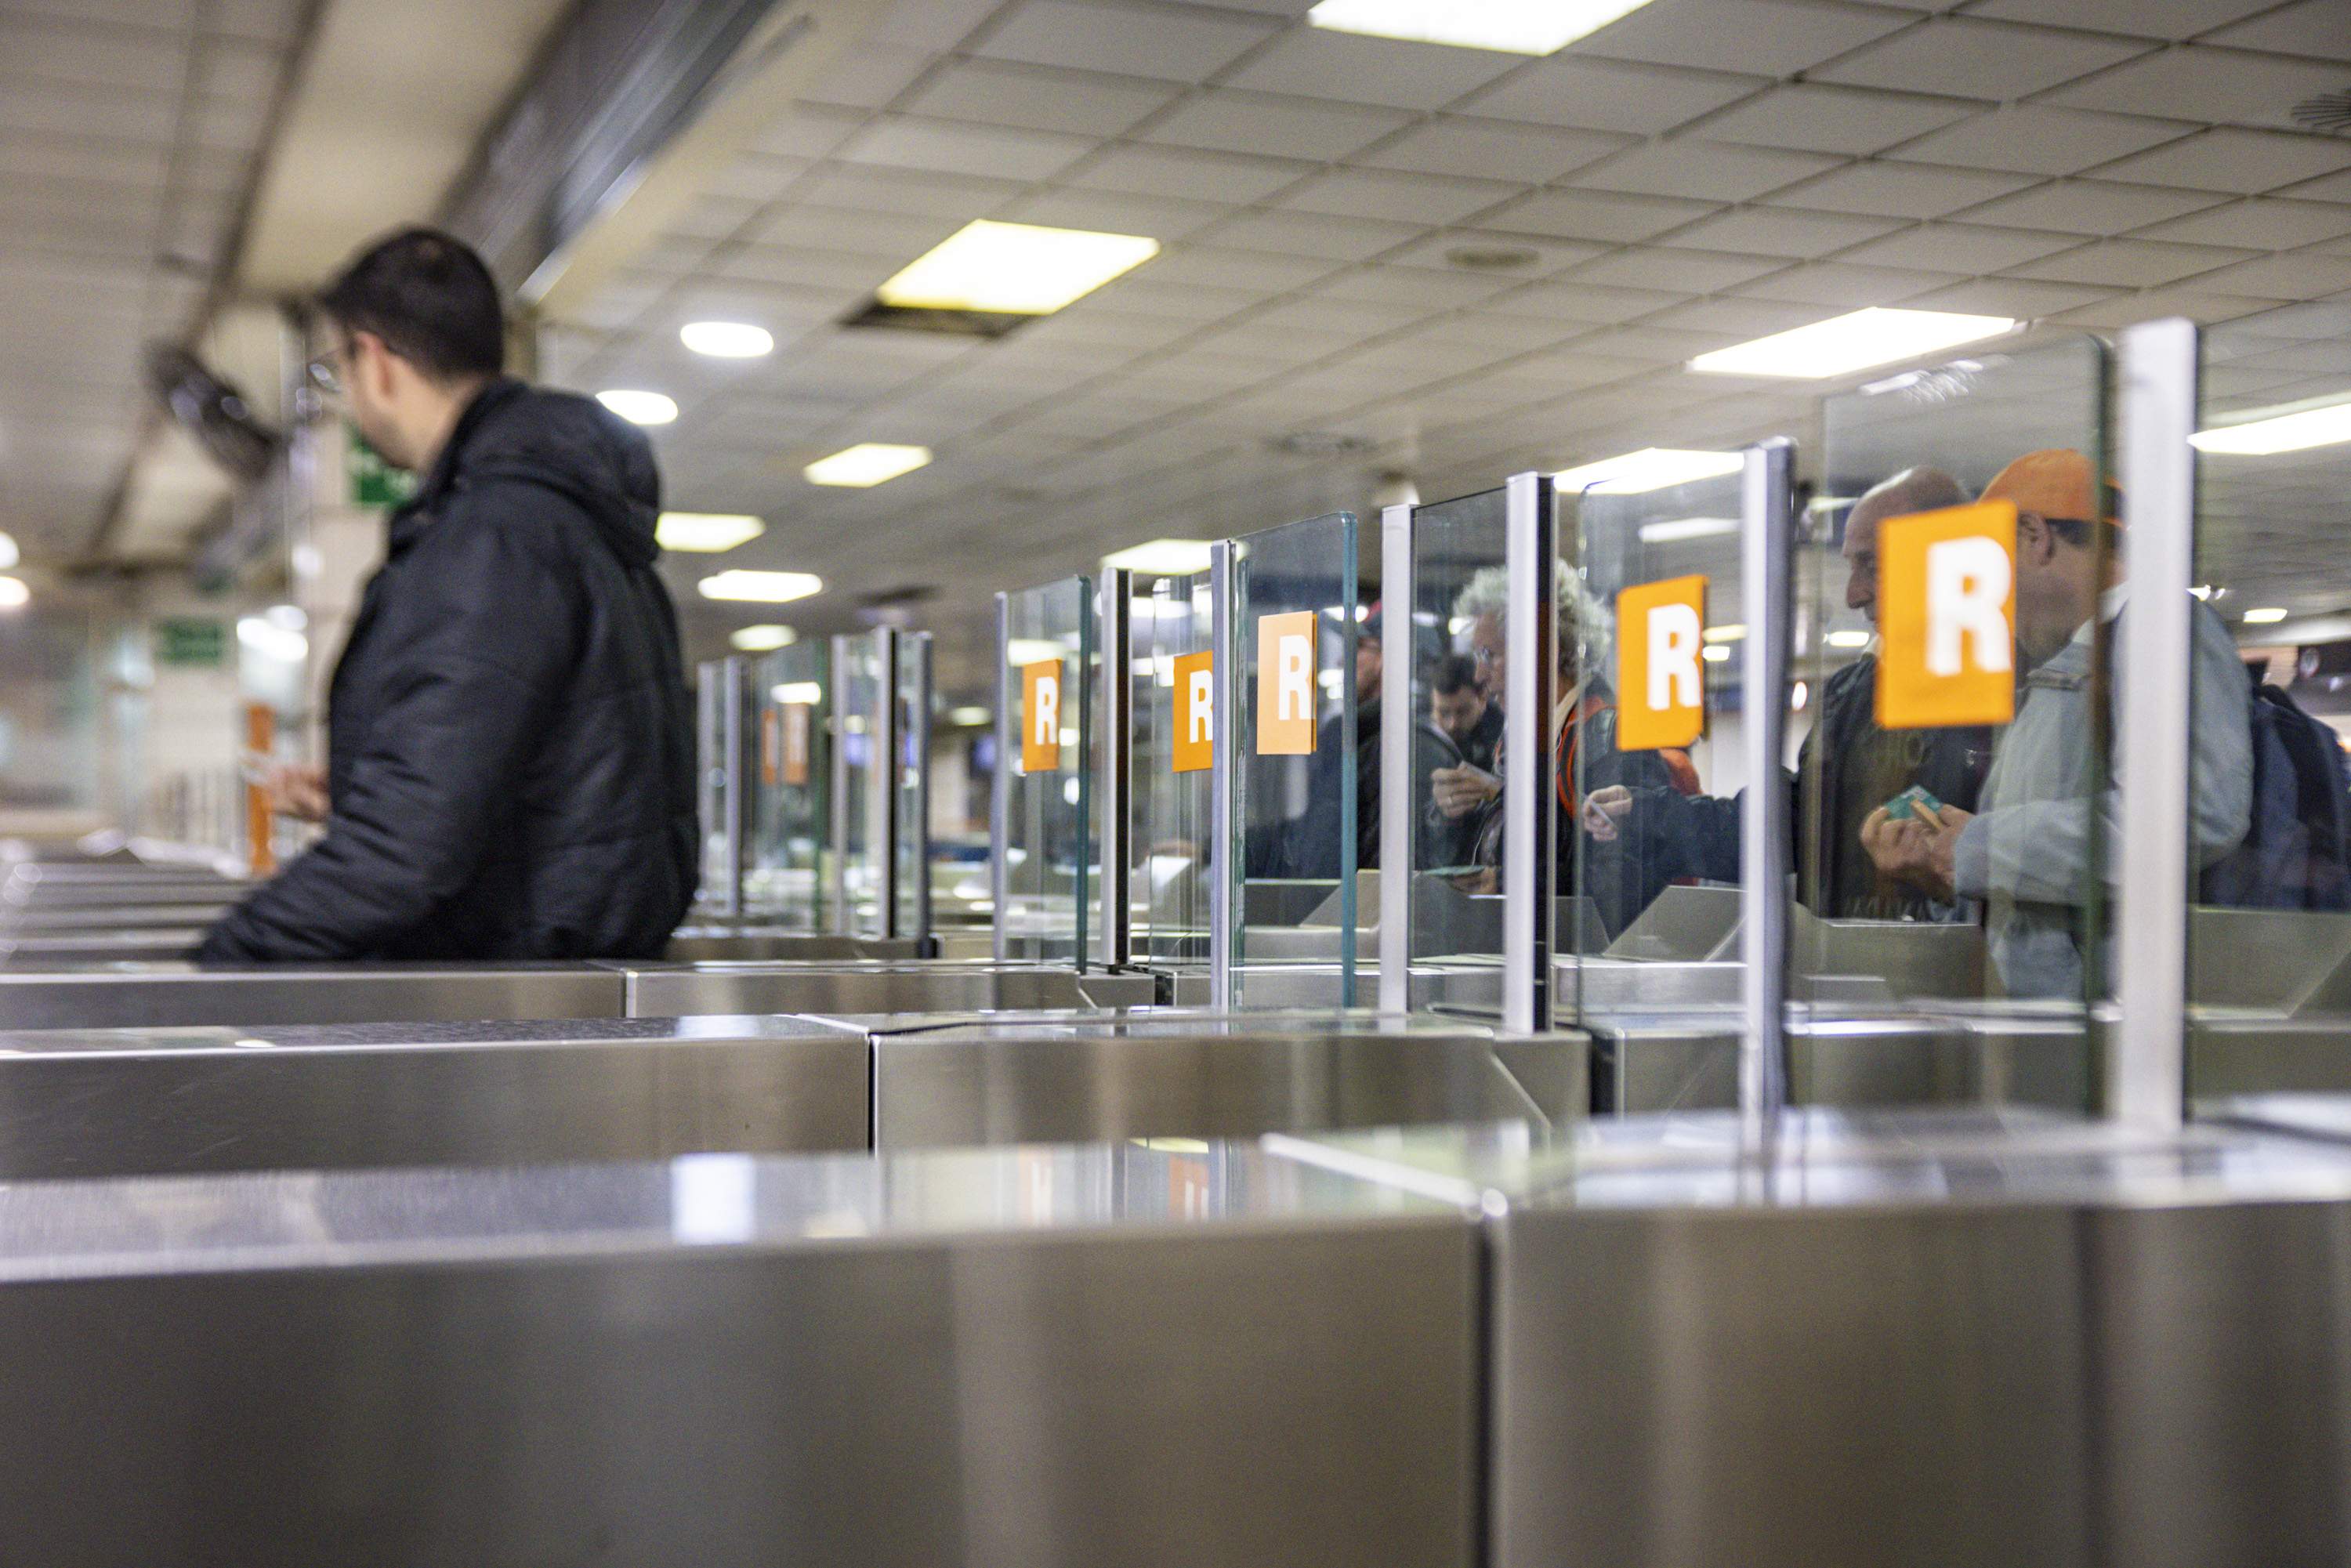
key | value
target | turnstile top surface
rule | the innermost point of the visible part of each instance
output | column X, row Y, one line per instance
column 152, row 1225
column 1828, row 1158
column 370, row 1036
column 1199, row 1023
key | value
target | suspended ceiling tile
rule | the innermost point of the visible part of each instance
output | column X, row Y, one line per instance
column 1690, row 271
column 1137, row 293
column 1353, row 319
column 1111, row 212
column 1492, row 149
column 1590, row 215
column 2331, row 188
column 1199, row 176
column 1702, row 170
column 1974, row 58
column 1781, row 232
column 1962, row 247
column 1221, row 267
column 1832, row 119
column 2129, row 263
column 63, row 109
column 867, row 76
column 2089, row 207
column 1606, row 95
column 946, row 147
column 808, row 133
column 1253, row 122
column 2228, row 87
column 754, row 177
column 891, row 239
column 2167, row 19
column 1424, row 287
column 2247, row 161
column 2259, row 225
column 882, row 190
column 1403, row 198
column 1583, row 302
column 49, row 49
column 2026, row 300
column 1740, row 318
column 1031, row 99
column 1308, row 233
column 1764, row 37
column 2117, row 311
column 1544, row 257
column 2301, row 276
column 2034, row 139
column 1881, row 189
column 1312, row 62
column 1173, row 46
column 2314, row 27
column 938, row 25
column 1843, row 286
column 1517, row 333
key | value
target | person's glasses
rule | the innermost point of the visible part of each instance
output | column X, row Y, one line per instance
column 326, row 372
column 1485, row 655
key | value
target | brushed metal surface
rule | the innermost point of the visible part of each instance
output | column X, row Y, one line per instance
column 1468, row 988
column 1026, row 1084
column 655, row 991
column 175, row 1103
column 1688, row 1062
column 1111, row 1356
column 153, row 995
column 718, row 944
column 44, row 950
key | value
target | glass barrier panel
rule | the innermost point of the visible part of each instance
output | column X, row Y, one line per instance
column 1648, row 768
column 910, row 794
column 1173, row 686
column 1049, row 668
column 2269, row 926
column 1305, row 675
column 713, row 681
column 1950, row 724
column 1460, row 583
column 860, row 681
column 790, row 789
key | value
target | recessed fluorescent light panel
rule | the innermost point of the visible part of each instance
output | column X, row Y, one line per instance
column 2269, row 617
column 1014, row 269
column 760, row 587
column 2325, row 426
column 1161, row 558
column 1507, row 27
column 1848, row 638
column 9, row 553
column 1674, row 531
column 1878, row 336
column 866, row 465
column 707, row 533
column 802, row 694
column 13, row 594
column 726, row 339
column 763, row 639
column 639, row 407
column 1651, row 468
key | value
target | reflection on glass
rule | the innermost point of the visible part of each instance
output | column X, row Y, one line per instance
column 791, row 782
column 1304, row 666
column 2270, row 923
column 910, row 785
column 1456, row 727
column 860, row 680
column 1048, row 776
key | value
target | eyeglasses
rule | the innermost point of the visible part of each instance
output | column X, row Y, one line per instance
column 325, row 373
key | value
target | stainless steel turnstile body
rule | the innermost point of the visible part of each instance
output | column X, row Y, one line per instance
column 164, row 996
column 1115, row 1355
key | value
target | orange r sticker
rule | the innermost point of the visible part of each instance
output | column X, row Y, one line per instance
column 1946, row 617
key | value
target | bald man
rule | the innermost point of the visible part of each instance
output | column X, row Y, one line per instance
column 1849, row 766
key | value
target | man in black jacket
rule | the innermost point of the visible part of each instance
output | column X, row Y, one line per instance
column 510, row 752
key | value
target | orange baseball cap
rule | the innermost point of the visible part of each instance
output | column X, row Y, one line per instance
column 2056, row 482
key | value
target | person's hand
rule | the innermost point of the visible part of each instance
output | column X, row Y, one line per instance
column 1920, row 850
column 1461, row 790
column 297, row 789
column 1604, row 808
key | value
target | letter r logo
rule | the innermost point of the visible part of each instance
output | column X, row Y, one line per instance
column 1946, row 617
column 1660, row 672
column 1041, row 702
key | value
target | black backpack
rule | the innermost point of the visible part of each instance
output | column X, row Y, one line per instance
column 2296, row 853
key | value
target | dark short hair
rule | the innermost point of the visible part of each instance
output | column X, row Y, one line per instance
column 1454, row 673
column 429, row 299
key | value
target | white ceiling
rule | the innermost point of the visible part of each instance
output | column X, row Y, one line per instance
column 129, row 130
column 1698, row 173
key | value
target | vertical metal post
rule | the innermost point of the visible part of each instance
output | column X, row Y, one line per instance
column 1530, row 632
column 882, row 783
column 1398, row 594
column 734, row 818
column 919, row 702
column 1225, row 852
column 2146, row 1070
column 1767, row 535
column 1113, row 797
column 839, row 678
column 1000, row 804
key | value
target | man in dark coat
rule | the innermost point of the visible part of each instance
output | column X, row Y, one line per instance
column 510, row 751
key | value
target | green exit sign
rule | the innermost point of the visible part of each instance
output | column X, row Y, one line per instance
column 374, row 482
column 201, row 645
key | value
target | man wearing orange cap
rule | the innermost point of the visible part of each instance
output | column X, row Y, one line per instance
column 2027, row 855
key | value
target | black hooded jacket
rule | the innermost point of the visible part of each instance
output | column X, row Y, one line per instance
column 510, row 751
